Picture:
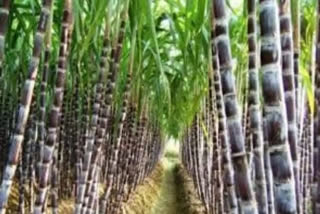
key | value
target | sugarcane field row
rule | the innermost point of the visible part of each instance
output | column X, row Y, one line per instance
column 159, row 106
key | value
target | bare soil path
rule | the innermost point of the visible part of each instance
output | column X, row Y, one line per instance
column 169, row 190
column 169, row 200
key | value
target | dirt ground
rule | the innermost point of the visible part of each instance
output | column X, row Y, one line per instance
column 172, row 193
column 169, row 190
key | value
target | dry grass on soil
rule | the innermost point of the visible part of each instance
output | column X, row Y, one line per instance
column 187, row 193
column 145, row 196
column 169, row 189
column 65, row 206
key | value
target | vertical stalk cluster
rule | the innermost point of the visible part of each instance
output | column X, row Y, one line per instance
column 231, row 108
column 255, row 116
column 288, row 77
column 53, row 119
column 24, row 107
column 275, row 117
column 282, row 174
